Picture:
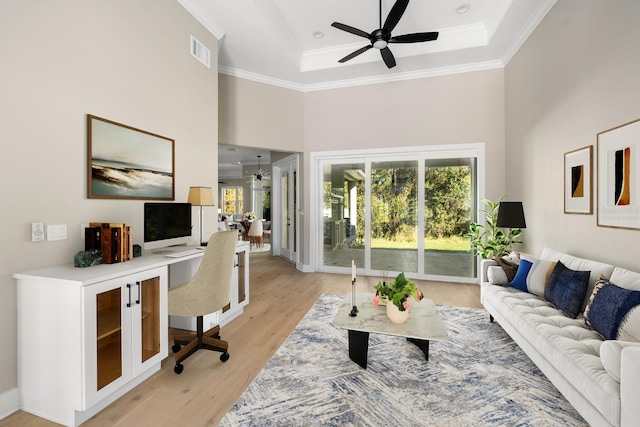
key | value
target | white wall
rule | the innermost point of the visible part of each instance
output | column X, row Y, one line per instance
column 577, row 75
column 124, row 60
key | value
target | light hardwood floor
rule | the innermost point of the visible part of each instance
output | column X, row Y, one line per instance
column 279, row 297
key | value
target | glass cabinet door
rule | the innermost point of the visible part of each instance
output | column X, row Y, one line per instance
column 109, row 336
column 149, row 297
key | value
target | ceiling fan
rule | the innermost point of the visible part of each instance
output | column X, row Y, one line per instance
column 381, row 37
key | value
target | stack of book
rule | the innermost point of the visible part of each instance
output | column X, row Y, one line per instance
column 114, row 239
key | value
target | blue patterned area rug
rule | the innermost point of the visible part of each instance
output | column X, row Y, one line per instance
column 479, row 377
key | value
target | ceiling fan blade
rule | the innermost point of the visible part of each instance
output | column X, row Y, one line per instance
column 350, row 29
column 415, row 37
column 356, row 53
column 388, row 57
column 395, row 14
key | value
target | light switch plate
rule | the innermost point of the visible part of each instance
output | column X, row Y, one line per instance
column 56, row 232
column 37, row 231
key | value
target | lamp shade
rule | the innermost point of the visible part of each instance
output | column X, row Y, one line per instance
column 511, row 215
column 200, row 196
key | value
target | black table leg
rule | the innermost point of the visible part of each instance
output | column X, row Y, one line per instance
column 359, row 347
column 422, row 345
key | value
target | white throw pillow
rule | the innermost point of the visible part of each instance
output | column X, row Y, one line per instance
column 629, row 329
column 496, row 275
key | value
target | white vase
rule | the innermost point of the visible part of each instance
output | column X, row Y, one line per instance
column 395, row 315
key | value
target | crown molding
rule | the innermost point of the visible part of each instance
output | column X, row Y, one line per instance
column 543, row 8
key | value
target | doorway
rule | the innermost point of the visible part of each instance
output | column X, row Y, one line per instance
column 285, row 196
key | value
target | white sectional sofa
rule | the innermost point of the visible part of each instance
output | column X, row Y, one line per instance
column 599, row 377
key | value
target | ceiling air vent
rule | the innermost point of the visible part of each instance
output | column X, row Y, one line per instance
column 200, row 52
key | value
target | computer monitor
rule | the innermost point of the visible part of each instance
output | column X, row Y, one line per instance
column 166, row 224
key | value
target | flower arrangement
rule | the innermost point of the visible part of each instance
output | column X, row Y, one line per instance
column 249, row 216
column 398, row 292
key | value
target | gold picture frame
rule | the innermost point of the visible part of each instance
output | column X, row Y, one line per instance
column 128, row 163
column 578, row 182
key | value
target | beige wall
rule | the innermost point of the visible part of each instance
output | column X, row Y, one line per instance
column 260, row 115
column 455, row 109
column 124, row 60
column 576, row 76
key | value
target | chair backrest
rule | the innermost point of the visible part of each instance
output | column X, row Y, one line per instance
column 256, row 228
column 210, row 288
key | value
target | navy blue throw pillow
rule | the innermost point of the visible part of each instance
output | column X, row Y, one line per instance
column 607, row 307
column 520, row 280
column 566, row 289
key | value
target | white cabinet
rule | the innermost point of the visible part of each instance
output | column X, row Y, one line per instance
column 125, row 332
column 87, row 336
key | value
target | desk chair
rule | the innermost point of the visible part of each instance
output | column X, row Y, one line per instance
column 207, row 292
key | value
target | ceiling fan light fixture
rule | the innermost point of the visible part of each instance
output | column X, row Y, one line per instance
column 380, row 44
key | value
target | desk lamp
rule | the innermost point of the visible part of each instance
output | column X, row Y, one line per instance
column 201, row 196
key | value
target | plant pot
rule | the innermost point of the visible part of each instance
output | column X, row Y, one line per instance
column 395, row 315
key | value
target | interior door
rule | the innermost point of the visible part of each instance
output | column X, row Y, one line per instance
column 285, row 208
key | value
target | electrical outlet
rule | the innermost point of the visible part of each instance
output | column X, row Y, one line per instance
column 37, row 231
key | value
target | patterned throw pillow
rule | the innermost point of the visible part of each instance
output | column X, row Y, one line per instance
column 566, row 289
column 607, row 307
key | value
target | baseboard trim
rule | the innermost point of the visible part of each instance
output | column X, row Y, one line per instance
column 9, row 402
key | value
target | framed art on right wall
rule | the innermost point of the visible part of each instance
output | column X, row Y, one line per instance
column 618, row 162
column 577, row 181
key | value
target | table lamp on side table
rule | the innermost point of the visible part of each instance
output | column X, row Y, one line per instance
column 201, row 196
column 511, row 215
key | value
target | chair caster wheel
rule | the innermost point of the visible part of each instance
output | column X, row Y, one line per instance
column 178, row 368
column 224, row 357
column 175, row 348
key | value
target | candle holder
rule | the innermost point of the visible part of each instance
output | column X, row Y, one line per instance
column 354, row 308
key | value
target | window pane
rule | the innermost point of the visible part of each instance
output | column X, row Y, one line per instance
column 394, row 196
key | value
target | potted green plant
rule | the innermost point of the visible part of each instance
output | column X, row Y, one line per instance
column 488, row 240
column 397, row 294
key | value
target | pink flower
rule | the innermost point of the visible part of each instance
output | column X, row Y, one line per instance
column 418, row 294
column 376, row 301
column 406, row 304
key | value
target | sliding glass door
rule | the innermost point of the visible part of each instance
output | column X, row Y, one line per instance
column 399, row 213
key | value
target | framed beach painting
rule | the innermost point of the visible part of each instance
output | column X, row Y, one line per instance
column 128, row 163
column 618, row 162
column 578, row 191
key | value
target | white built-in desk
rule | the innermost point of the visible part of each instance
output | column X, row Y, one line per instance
column 86, row 336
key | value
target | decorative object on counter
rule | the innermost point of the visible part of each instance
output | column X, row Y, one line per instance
column 137, row 251
column 201, row 196
column 397, row 294
column 87, row 258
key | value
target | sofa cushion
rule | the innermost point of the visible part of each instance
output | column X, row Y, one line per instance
column 629, row 329
column 520, row 280
column 566, row 289
column 626, row 278
column 611, row 356
column 607, row 306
